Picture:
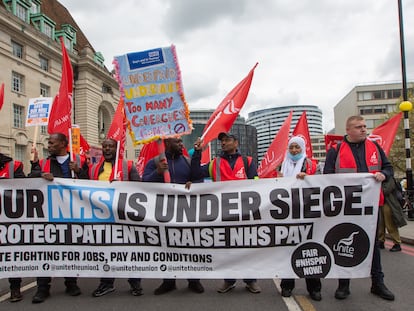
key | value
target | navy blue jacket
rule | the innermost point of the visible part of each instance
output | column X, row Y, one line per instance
column 180, row 167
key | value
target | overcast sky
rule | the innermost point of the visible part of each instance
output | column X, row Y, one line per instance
column 310, row 52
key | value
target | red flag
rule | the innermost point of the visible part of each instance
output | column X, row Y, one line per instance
column 332, row 140
column 277, row 150
column 84, row 146
column 206, row 155
column 117, row 130
column 384, row 134
column 302, row 130
column 147, row 152
column 226, row 113
column 1, row 96
column 60, row 119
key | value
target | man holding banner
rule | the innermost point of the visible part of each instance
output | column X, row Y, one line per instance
column 58, row 164
column 107, row 170
column 357, row 154
column 231, row 165
column 182, row 171
column 10, row 168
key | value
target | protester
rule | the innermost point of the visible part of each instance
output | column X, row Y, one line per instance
column 391, row 215
column 182, row 170
column 104, row 170
column 58, row 164
column 296, row 164
column 231, row 165
column 358, row 154
column 10, row 168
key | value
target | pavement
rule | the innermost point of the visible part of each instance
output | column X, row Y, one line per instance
column 407, row 233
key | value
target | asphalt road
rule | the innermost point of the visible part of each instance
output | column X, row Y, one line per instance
column 398, row 269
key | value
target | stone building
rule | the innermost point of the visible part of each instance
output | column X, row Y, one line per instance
column 30, row 58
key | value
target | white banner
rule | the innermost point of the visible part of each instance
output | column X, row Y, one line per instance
column 322, row 226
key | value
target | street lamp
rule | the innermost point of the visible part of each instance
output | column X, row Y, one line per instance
column 406, row 107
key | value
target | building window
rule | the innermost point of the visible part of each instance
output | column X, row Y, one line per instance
column 372, row 110
column 18, row 116
column 34, row 9
column 17, row 82
column 21, row 12
column 106, row 89
column 364, row 96
column 17, row 49
column 376, row 95
column 47, row 30
column 44, row 63
column 396, row 93
column 20, row 152
column 44, row 90
column 43, row 129
column 104, row 120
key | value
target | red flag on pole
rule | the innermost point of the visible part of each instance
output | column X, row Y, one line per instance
column 206, row 155
column 1, row 96
column 147, row 152
column 332, row 140
column 84, row 146
column 302, row 130
column 277, row 150
column 226, row 113
column 117, row 130
column 385, row 133
column 60, row 119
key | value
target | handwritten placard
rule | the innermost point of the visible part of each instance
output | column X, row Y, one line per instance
column 150, row 83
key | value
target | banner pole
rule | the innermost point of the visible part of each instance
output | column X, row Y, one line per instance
column 36, row 133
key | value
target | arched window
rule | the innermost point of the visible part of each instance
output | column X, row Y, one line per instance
column 104, row 122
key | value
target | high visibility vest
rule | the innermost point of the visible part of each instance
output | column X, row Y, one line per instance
column 45, row 163
column 220, row 169
column 123, row 166
column 8, row 170
column 345, row 161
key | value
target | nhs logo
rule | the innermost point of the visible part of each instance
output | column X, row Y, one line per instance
column 80, row 204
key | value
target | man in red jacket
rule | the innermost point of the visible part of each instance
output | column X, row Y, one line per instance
column 105, row 170
column 357, row 154
column 231, row 165
column 12, row 169
column 58, row 164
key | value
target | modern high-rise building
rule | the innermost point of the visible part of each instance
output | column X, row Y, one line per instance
column 372, row 101
column 268, row 122
column 31, row 57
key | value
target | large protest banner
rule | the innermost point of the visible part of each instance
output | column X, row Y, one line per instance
column 322, row 226
column 151, row 86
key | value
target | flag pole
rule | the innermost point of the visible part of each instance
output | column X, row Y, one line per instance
column 36, row 131
column 406, row 106
column 161, row 151
column 116, row 159
column 72, row 156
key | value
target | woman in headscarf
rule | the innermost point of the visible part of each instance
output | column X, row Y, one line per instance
column 297, row 164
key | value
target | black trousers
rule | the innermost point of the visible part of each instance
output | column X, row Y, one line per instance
column 312, row 285
column 15, row 283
